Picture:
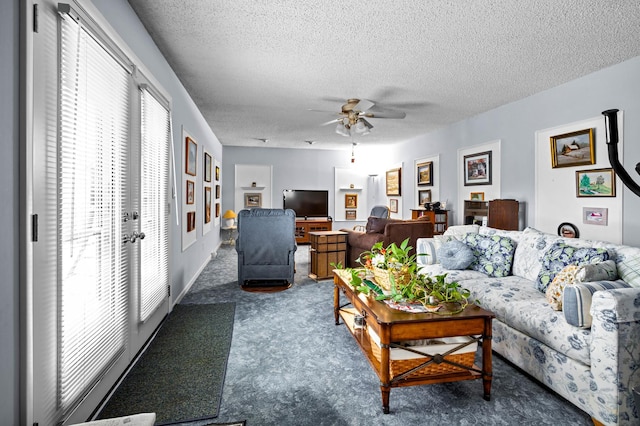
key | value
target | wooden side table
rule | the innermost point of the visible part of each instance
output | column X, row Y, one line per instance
column 327, row 247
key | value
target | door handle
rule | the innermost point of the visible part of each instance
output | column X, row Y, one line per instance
column 134, row 237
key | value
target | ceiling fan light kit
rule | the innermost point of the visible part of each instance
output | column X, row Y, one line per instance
column 353, row 115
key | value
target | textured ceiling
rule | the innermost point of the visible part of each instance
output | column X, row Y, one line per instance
column 256, row 68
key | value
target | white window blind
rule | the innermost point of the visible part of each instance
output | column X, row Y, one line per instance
column 93, row 130
column 154, row 171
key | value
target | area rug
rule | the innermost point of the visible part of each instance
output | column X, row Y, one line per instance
column 181, row 374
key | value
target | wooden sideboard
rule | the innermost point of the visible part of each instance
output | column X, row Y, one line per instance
column 439, row 218
column 499, row 214
column 303, row 227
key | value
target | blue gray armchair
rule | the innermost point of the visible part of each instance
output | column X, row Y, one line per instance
column 266, row 246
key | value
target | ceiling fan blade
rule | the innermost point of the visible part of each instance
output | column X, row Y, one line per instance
column 385, row 114
column 332, row 121
column 364, row 105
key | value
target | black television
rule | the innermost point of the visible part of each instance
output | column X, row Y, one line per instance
column 306, row 203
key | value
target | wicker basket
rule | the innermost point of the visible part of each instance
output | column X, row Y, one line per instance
column 382, row 277
column 405, row 361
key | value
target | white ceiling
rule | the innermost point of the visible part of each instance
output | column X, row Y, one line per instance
column 255, row 68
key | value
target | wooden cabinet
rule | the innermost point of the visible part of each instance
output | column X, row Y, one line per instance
column 304, row 227
column 439, row 218
column 499, row 214
column 326, row 248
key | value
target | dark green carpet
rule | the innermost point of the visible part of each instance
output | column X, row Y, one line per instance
column 180, row 375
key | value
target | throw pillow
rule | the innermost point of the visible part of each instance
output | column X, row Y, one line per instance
column 375, row 225
column 459, row 231
column 576, row 300
column 556, row 289
column 493, row 254
column 603, row 271
column 455, row 255
column 560, row 255
column 426, row 251
column 628, row 263
column 531, row 247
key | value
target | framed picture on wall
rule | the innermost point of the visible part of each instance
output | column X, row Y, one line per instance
column 351, row 201
column 425, row 173
column 573, row 149
column 393, row 205
column 191, row 156
column 393, row 182
column 350, row 214
column 191, row 221
column 596, row 183
column 217, row 173
column 595, row 216
column 217, row 191
column 252, row 200
column 190, row 192
column 477, row 169
column 477, row 196
column 424, row 196
column 207, row 204
column 207, row 167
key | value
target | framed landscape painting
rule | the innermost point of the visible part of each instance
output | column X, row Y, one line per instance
column 191, row 156
column 573, row 149
column 207, row 167
column 393, row 182
column 252, row 200
column 424, row 196
column 477, row 169
column 596, row 183
column 425, row 173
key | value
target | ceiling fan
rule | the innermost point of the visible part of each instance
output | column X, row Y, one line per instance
column 354, row 116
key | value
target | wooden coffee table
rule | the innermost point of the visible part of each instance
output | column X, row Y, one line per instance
column 393, row 326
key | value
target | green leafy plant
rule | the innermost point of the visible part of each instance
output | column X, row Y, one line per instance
column 390, row 257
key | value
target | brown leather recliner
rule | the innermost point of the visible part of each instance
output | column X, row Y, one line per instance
column 388, row 231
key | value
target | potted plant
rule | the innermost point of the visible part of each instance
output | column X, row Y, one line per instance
column 393, row 261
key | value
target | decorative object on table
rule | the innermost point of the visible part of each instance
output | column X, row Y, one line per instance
column 568, row 230
column 595, row 183
column 573, row 149
column 351, row 201
column 477, row 196
column 393, row 205
column 252, row 200
column 394, row 182
column 230, row 216
column 424, row 196
column 389, row 263
column 191, row 154
column 425, row 173
column 595, row 216
column 477, row 169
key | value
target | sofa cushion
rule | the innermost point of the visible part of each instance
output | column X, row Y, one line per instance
column 427, row 251
column 555, row 290
column 603, row 271
column 514, row 235
column 493, row 254
column 455, row 255
column 459, row 231
column 375, row 225
column 628, row 263
column 528, row 257
column 576, row 300
column 560, row 255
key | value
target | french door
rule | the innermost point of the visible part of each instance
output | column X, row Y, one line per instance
column 99, row 196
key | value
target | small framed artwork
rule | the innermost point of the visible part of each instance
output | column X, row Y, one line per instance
column 191, row 221
column 393, row 205
column 477, row 196
column 350, row 214
column 595, row 216
column 568, row 230
column 477, row 169
column 217, row 173
column 351, row 201
column 217, row 191
column 425, row 173
column 393, row 182
column 573, row 149
column 424, row 196
column 191, row 157
column 217, row 209
column 596, row 183
column 191, row 186
column 207, row 167
column 252, row 200
column 207, row 204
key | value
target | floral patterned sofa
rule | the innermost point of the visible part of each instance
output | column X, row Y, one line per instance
column 589, row 351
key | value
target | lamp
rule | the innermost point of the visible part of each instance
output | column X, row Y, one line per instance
column 230, row 216
column 359, row 125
